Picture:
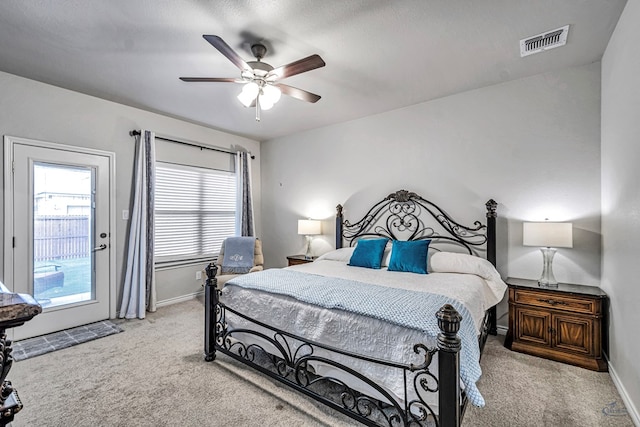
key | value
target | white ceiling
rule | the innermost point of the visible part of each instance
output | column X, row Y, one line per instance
column 380, row 54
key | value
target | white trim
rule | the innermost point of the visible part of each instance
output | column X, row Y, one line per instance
column 8, row 213
column 113, row 238
column 502, row 330
column 181, row 298
column 9, row 142
column 628, row 403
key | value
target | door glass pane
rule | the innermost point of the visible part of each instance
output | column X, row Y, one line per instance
column 62, row 234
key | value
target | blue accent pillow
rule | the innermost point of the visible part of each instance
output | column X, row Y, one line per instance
column 368, row 253
column 410, row 256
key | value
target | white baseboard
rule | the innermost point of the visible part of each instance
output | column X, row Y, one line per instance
column 631, row 409
column 181, row 298
column 502, row 330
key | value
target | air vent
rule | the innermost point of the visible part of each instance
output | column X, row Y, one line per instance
column 544, row 41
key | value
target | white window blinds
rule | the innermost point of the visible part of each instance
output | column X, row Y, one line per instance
column 194, row 211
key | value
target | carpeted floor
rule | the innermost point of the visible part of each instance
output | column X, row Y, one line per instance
column 37, row 346
column 523, row 390
column 154, row 375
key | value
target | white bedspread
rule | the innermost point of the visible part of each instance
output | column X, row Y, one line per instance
column 476, row 293
column 360, row 334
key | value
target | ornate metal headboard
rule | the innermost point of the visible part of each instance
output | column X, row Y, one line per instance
column 405, row 215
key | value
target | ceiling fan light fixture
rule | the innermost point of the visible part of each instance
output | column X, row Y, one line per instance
column 272, row 93
column 262, row 88
column 248, row 94
column 244, row 100
column 251, row 89
column 265, row 102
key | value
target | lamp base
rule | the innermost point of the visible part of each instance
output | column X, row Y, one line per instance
column 547, row 279
column 547, row 285
column 307, row 254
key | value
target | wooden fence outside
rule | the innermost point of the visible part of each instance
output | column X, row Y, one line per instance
column 61, row 237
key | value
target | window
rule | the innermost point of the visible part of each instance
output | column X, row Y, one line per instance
column 194, row 211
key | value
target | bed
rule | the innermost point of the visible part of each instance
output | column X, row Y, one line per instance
column 384, row 347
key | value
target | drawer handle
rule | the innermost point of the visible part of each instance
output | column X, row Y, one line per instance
column 552, row 301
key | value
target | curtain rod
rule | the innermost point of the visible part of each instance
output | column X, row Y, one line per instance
column 202, row 147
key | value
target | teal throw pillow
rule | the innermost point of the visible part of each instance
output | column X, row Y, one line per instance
column 368, row 253
column 410, row 256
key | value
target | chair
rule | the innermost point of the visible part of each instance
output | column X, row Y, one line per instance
column 258, row 264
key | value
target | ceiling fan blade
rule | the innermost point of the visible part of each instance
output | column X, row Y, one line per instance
column 226, row 50
column 210, row 79
column 302, row 65
column 300, row 94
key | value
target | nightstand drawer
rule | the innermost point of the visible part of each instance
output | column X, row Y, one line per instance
column 559, row 302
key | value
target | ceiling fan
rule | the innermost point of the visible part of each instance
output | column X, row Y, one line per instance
column 262, row 87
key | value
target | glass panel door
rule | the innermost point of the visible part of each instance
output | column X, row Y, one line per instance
column 58, row 208
column 63, row 225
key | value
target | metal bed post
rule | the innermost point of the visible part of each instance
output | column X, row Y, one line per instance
column 339, row 219
column 449, row 345
column 492, row 205
column 211, row 297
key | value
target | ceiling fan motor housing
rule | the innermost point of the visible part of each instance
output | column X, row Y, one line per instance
column 259, row 50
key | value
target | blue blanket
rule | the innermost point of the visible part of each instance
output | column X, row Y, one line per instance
column 238, row 255
column 415, row 310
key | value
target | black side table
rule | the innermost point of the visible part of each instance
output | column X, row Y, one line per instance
column 15, row 310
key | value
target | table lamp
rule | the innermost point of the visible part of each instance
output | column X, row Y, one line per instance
column 548, row 236
column 308, row 228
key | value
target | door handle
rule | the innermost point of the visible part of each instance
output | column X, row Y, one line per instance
column 102, row 247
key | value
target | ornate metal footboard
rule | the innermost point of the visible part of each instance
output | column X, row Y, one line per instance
column 293, row 365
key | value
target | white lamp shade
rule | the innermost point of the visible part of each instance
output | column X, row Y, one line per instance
column 245, row 98
column 251, row 89
column 309, row 227
column 271, row 93
column 248, row 94
column 547, row 234
column 265, row 103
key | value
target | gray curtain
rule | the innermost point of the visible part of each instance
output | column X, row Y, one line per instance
column 244, row 204
column 139, row 289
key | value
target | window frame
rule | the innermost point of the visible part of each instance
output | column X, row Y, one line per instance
column 201, row 254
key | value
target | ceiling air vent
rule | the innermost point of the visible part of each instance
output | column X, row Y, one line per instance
column 544, row 41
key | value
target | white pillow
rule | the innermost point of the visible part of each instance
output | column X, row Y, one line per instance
column 386, row 256
column 342, row 254
column 451, row 262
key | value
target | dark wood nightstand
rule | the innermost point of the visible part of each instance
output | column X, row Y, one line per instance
column 298, row 259
column 566, row 323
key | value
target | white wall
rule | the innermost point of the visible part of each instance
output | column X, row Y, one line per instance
column 34, row 110
column 532, row 144
column 621, row 201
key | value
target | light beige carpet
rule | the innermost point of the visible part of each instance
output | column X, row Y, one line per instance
column 523, row 390
column 153, row 375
